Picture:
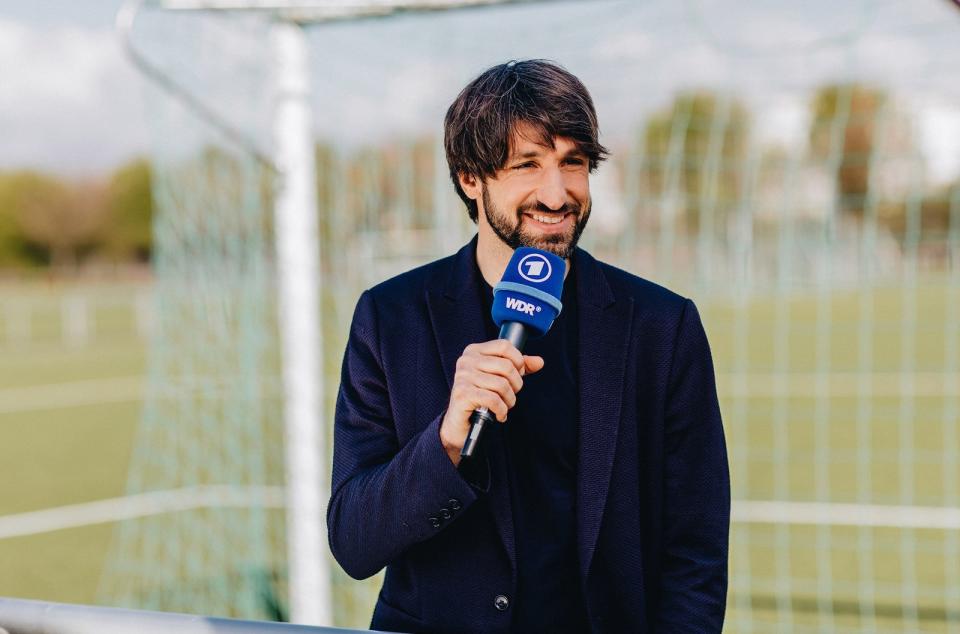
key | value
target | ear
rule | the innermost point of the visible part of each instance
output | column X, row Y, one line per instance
column 470, row 185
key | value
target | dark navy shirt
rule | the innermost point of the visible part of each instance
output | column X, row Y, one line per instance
column 541, row 440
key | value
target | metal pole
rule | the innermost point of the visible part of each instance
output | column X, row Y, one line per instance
column 21, row 616
column 298, row 274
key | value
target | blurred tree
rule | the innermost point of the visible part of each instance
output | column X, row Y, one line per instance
column 129, row 203
column 695, row 150
column 14, row 252
column 329, row 178
column 368, row 189
column 845, row 129
column 933, row 219
column 63, row 221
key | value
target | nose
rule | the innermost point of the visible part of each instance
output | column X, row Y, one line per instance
column 552, row 192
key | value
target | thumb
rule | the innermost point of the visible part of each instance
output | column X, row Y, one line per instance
column 532, row 364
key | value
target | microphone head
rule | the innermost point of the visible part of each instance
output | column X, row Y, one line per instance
column 530, row 290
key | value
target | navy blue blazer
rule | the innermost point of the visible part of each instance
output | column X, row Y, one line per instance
column 653, row 496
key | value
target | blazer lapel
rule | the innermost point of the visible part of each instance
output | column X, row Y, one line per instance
column 455, row 310
column 604, row 324
column 458, row 320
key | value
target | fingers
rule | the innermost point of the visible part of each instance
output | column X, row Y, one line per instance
column 493, row 402
column 499, row 366
column 532, row 364
column 504, row 388
column 467, row 397
column 497, row 348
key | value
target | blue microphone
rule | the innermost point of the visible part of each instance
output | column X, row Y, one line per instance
column 525, row 304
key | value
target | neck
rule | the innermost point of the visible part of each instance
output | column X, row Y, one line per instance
column 492, row 257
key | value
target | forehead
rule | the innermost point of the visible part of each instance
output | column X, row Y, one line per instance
column 527, row 139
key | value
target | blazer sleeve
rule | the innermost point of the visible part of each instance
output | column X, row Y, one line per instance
column 697, row 489
column 385, row 497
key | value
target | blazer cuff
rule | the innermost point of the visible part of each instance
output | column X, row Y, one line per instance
column 452, row 493
column 475, row 472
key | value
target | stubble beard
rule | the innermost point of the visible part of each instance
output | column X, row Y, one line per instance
column 561, row 244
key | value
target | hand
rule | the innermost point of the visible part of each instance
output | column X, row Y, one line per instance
column 488, row 375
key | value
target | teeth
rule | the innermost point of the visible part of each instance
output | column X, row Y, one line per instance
column 547, row 220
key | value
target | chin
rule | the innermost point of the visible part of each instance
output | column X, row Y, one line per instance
column 562, row 247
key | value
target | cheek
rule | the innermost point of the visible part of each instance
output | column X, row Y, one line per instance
column 499, row 196
column 513, row 202
column 579, row 186
column 516, row 191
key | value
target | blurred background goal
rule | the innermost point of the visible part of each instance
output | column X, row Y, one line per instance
column 792, row 167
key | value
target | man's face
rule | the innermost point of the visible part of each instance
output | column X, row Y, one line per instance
column 540, row 198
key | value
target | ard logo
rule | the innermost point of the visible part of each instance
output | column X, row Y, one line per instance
column 535, row 268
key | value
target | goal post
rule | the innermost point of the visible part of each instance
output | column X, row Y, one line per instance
column 298, row 273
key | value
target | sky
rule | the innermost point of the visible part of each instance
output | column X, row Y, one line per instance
column 42, row 13
column 70, row 101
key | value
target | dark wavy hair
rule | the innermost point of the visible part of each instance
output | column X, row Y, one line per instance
column 482, row 119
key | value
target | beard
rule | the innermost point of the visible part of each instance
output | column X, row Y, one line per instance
column 514, row 236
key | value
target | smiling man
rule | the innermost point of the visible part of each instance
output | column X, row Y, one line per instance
column 602, row 502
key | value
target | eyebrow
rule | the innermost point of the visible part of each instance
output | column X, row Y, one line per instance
column 525, row 155
column 537, row 153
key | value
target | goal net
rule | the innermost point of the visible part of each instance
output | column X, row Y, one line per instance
column 793, row 169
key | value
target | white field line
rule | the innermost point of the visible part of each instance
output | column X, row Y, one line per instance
column 32, row 398
column 140, row 505
column 225, row 496
column 829, row 514
column 805, row 384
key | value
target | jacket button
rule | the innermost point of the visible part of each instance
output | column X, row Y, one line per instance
column 434, row 521
column 445, row 514
column 454, row 504
column 501, row 602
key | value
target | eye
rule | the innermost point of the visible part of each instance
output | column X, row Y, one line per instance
column 575, row 160
column 524, row 165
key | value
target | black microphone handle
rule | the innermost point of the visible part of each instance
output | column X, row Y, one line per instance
column 515, row 333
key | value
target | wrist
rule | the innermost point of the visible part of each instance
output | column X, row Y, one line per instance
column 449, row 446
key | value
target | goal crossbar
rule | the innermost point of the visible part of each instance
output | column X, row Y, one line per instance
column 333, row 10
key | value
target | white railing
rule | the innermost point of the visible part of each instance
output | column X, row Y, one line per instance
column 21, row 616
column 72, row 318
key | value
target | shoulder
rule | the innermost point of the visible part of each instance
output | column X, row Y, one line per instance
column 648, row 297
column 400, row 289
column 643, row 289
column 399, row 299
column 404, row 296
column 666, row 323
column 660, row 316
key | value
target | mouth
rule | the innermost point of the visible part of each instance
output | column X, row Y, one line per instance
column 549, row 222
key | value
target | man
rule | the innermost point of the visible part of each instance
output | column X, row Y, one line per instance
column 602, row 501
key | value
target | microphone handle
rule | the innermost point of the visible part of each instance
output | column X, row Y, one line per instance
column 515, row 333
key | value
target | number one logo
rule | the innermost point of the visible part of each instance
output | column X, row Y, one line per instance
column 534, row 267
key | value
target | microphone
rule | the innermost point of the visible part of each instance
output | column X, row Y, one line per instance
column 525, row 303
